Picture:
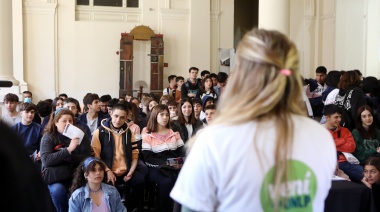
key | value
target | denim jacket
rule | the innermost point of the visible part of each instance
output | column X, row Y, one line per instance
column 80, row 200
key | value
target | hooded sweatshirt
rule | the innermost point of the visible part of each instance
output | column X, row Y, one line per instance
column 116, row 148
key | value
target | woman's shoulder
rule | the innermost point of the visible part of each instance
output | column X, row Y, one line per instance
column 78, row 192
column 110, row 189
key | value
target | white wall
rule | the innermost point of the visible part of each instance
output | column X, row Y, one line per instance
column 76, row 55
column 339, row 34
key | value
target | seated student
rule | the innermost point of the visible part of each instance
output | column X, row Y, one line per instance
column 214, row 79
column 344, row 142
column 222, row 82
column 73, row 104
column 135, row 101
column 110, row 105
column 366, row 135
column 89, row 192
column 187, row 125
column 63, row 96
column 57, row 103
column 143, row 111
column 207, row 89
column 60, row 155
column 92, row 118
column 172, row 105
column 178, row 94
column 159, row 143
column 115, row 144
column 11, row 116
column 103, row 104
column 372, row 178
column 164, row 99
column 44, row 110
column 29, row 131
column 197, row 104
column 209, row 113
column 206, row 100
column 128, row 97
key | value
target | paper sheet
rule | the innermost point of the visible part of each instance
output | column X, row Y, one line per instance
column 72, row 131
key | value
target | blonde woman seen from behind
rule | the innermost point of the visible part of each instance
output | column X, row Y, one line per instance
column 248, row 161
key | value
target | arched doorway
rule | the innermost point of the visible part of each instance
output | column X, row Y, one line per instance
column 156, row 56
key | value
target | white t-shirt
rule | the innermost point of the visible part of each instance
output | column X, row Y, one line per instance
column 330, row 99
column 223, row 172
column 10, row 121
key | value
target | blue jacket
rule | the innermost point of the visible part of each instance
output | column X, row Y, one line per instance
column 80, row 200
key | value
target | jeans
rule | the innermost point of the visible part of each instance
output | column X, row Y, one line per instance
column 354, row 171
column 59, row 195
column 165, row 184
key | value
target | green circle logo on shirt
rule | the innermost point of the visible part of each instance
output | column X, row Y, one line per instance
column 295, row 195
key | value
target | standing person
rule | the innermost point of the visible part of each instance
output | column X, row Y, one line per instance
column 350, row 97
column 60, row 155
column 366, row 135
column 172, row 79
column 22, row 182
column 191, row 87
column 115, row 144
column 186, row 124
column 90, row 193
column 160, row 143
column 244, row 161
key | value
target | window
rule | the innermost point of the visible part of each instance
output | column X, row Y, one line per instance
column 109, row 3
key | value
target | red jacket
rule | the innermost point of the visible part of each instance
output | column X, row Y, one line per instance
column 344, row 142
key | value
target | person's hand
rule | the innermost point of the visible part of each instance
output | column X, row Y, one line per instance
column 365, row 182
column 111, row 178
column 128, row 176
column 177, row 166
column 191, row 95
column 38, row 156
column 73, row 144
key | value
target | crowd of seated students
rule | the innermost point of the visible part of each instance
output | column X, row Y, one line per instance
column 125, row 136
column 350, row 111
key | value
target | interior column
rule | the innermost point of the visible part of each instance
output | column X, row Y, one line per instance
column 275, row 15
column 6, row 43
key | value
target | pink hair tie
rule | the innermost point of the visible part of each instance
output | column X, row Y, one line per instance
column 286, row 72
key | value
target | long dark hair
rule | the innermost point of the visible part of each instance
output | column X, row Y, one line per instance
column 371, row 132
column 151, row 126
column 203, row 87
column 349, row 79
column 50, row 127
column 181, row 117
column 86, row 166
